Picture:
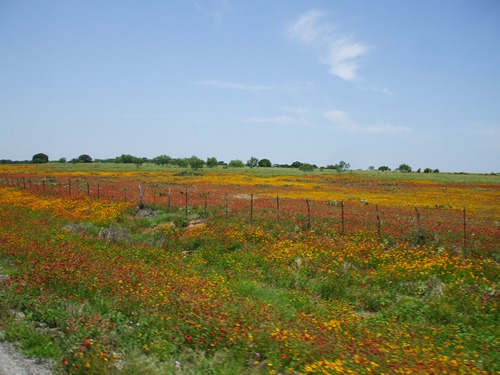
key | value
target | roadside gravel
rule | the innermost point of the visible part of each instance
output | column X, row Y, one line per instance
column 13, row 363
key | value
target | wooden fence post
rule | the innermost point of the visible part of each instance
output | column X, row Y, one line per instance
column 419, row 235
column 308, row 214
column 98, row 191
column 141, row 203
column 251, row 208
column 206, row 202
column 168, row 199
column 187, row 202
column 378, row 221
column 342, row 216
column 227, row 205
column 465, row 228
column 278, row 208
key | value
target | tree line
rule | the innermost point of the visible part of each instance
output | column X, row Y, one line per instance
column 195, row 162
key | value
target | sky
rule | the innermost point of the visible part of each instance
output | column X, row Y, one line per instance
column 368, row 82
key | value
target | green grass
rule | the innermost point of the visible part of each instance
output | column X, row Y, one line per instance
column 452, row 178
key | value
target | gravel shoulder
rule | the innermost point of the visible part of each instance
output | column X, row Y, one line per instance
column 13, row 363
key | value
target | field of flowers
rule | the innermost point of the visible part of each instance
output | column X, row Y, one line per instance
column 232, row 272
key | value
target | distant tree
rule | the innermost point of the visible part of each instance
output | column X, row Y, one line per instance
column 85, row 158
column 418, row 170
column 162, row 160
column 195, row 162
column 427, row 170
column 138, row 161
column 296, row 164
column 212, row 162
column 371, row 168
column 435, row 171
column 340, row 167
column 252, row 162
column 62, row 160
column 40, row 158
column 404, row 168
column 236, row 164
column 265, row 163
column 306, row 167
column 125, row 158
column 384, row 168
column 181, row 162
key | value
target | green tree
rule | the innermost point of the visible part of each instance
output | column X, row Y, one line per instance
column 85, row 158
column 404, row 168
column 125, row 158
column 340, row 167
column 306, row 167
column 236, row 164
column 40, row 158
column 296, row 164
column 162, row 160
column 195, row 162
column 384, row 168
column 212, row 162
column 138, row 161
column 62, row 160
column 252, row 162
column 265, row 163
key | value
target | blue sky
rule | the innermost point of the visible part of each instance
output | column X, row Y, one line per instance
column 369, row 82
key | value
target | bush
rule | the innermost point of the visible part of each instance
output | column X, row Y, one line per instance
column 236, row 164
column 306, row 167
column 40, row 158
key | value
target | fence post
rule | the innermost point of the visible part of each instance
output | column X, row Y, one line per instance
column 168, row 199
column 226, row 206
column 278, row 208
column 378, row 221
column 141, row 204
column 187, row 202
column 465, row 228
column 342, row 216
column 206, row 202
column 69, row 187
column 251, row 208
column 419, row 235
column 308, row 214
column 98, row 192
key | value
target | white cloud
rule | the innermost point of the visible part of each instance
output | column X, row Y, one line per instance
column 214, row 9
column 339, row 52
column 342, row 121
column 233, row 86
column 270, row 120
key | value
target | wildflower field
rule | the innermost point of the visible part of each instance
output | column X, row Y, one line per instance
column 147, row 270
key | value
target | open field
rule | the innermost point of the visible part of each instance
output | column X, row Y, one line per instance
column 238, row 271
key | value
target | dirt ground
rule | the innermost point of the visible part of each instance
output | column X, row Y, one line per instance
column 13, row 363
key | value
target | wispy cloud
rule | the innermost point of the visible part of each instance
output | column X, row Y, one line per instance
column 214, row 9
column 339, row 52
column 234, row 86
column 280, row 120
column 342, row 121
